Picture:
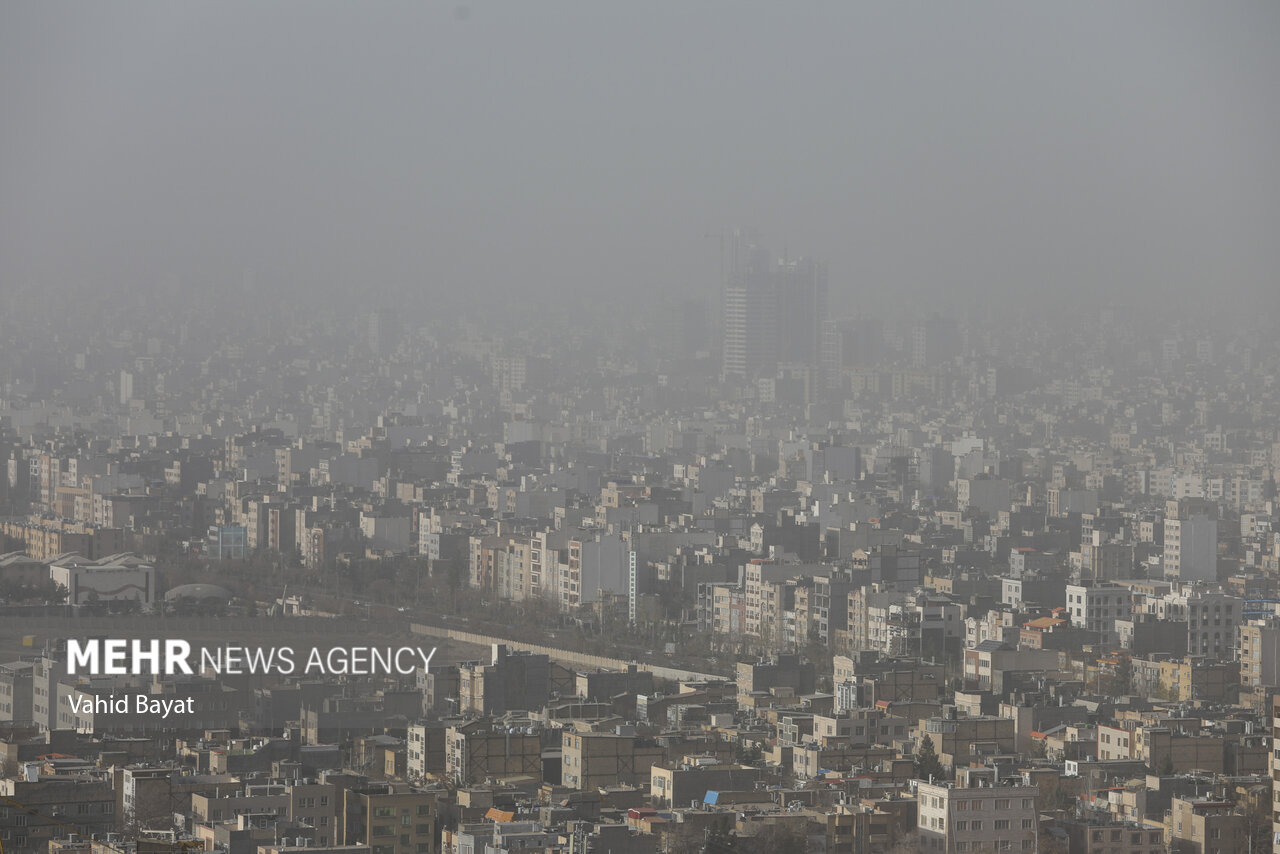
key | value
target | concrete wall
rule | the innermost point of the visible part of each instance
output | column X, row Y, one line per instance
column 577, row 659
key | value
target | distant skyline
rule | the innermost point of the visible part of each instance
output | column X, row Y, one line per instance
column 963, row 154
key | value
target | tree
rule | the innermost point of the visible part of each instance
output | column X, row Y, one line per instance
column 680, row 838
column 909, row 844
column 820, row 654
column 153, row 807
column 455, row 571
column 1050, row 844
column 720, row 838
column 1257, row 817
column 776, row 838
column 928, row 765
column 1056, row 796
column 54, row 593
column 749, row 755
column 94, row 605
column 1118, row 680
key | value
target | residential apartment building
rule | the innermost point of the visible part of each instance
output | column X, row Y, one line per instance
column 1191, row 549
column 960, row 740
column 1207, row 826
column 1274, row 709
column 1096, row 607
column 510, row 681
column 391, row 819
column 425, row 748
column 904, row 624
column 954, row 820
column 486, row 750
column 87, row 803
column 17, row 693
column 1259, row 644
column 592, row 760
column 1098, row 836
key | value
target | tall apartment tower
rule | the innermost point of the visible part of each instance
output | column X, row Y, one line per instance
column 381, row 330
column 935, row 341
column 1191, row 549
column 802, row 306
column 1275, row 770
column 750, row 323
column 772, row 313
column 126, row 387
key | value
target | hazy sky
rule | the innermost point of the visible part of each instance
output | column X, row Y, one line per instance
column 973, row 150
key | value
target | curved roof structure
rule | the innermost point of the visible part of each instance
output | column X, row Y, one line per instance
column 198, row 591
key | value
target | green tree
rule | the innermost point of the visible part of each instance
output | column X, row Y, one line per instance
column 928, row 765
column 53, row 593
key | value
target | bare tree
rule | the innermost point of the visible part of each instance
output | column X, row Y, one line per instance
column 153, row 808
column 908, row 844
column 776, row 838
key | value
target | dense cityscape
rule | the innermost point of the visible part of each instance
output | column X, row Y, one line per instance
column 639, row 428
column 826, row 585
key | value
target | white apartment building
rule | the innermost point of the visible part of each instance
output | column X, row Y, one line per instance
column 954, row 820
column 1191, row 549
column 1096, row 607
column 1212, row 618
